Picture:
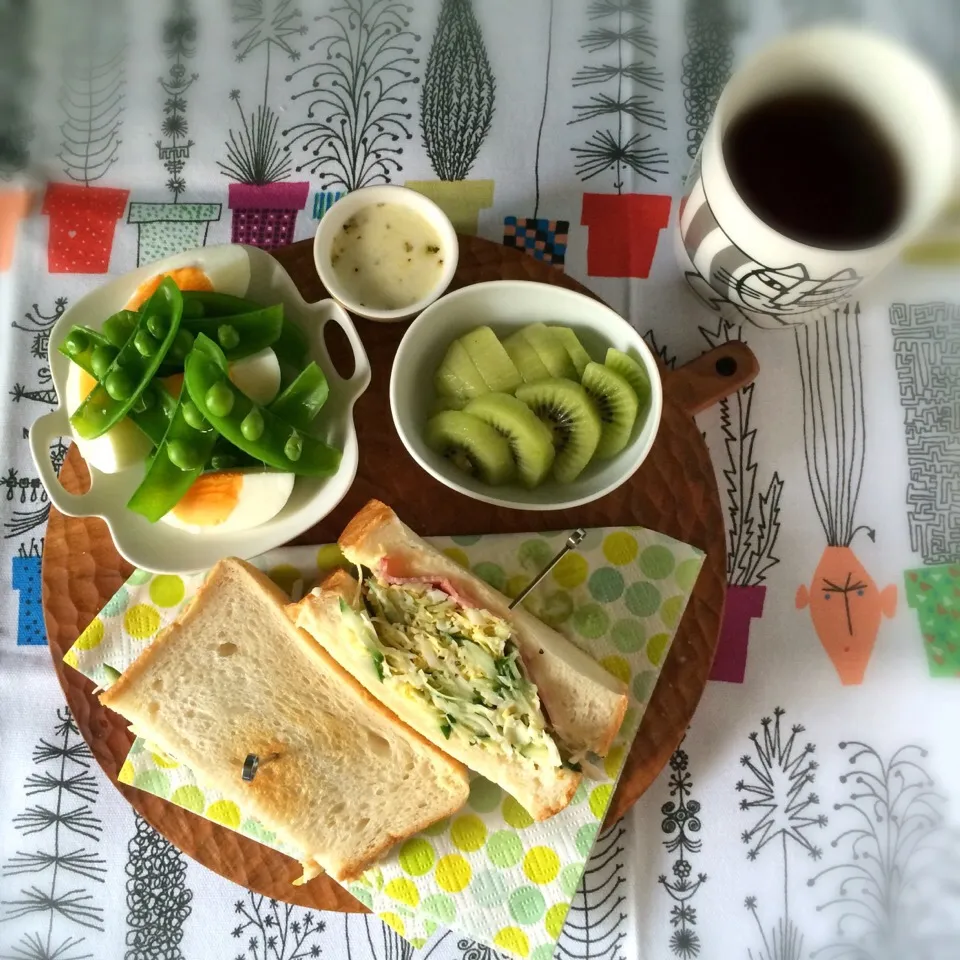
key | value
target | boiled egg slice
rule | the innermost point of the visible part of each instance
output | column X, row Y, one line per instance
column 258, row 376
column 186, row 278
column 231, row 500
column 120, row 447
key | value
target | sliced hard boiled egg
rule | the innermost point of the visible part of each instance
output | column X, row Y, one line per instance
column 186, row 278
column 258, row 376
column 120, row 447
column 230, row 500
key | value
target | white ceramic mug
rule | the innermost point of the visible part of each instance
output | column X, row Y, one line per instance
column 732, row 257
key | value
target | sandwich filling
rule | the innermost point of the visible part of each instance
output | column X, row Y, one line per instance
column 460, row 663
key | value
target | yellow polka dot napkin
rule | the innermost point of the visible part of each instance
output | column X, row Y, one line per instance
column 489, row 871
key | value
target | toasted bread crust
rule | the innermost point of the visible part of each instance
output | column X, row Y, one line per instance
column 127, row 685
column 374, row 515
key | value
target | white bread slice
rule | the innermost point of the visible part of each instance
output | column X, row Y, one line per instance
column 234, row 676
column 584, row 703
column 541, row 791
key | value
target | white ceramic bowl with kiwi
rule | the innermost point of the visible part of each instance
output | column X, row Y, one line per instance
column 525, row 395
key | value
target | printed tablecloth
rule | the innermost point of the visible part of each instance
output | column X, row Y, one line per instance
column 811, row 810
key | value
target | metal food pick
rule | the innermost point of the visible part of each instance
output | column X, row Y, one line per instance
column 573, row 541
column 252, row 764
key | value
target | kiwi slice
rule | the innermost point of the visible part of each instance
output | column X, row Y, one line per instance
column 571, row 343
column 525, row 358
column 631, row 371
column 549, row 349
column 531, row 442
column 491, row 360
column 458, row 376
column 573, row 421
column 448, row 403
column 472, row 445
column 617, row 404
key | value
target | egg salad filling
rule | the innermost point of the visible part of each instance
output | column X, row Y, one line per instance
column 460, row 662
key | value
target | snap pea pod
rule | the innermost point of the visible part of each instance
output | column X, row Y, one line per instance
column 128, row 375
column 90, row 350
column 226, row 456
column 240, row 335
column 206, row 303
column 117, row 328
column 291, row 346
column 254, row 429
column 179, row 460
column 300, row 403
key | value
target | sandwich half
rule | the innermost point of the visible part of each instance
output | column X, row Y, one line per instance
column 340, row 779
column 453, row 674
column 584, row 702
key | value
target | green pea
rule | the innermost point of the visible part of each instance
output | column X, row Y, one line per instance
column 158, row 325
column 119, row 385
column 76, row 343
column 192, row 309
column 220, row 399
column 193, row 416
column 223, row 461
column 252, row 425
column 293, row 447
column 184, row 454
column 117, row 329
column 146, row 345
column 228, row 336
column 100, row 360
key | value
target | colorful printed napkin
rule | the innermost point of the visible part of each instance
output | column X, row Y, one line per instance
column 489, row 871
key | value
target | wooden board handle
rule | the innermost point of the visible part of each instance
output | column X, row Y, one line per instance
column 712, row 376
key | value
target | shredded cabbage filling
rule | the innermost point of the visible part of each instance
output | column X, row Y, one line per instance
column 462, row 663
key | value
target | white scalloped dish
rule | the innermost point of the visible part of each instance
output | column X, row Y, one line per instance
column 162, row 548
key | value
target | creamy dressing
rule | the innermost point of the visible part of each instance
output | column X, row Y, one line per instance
column 387, row 256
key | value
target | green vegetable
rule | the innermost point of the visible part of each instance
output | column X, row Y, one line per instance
column 227, row 336
column 291, row 346
column 157, row 325
column 104, row 407
column 112, row 673
column 300, row 403
column 177, row 463
column 145, row 343
column 206, row 303
column 75, row 343
column 100, row 359
column 117, row 329
column 293, row 448
column 220, row 399
column 252, row 425
column 240, row 335
column 377, row 661
column 193, row 416
column 204, row 369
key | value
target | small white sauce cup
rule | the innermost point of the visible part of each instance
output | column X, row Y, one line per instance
column 348, row 205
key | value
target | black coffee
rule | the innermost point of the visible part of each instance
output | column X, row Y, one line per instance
column 816, row 169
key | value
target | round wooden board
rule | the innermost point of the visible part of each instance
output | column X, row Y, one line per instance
column 675, row 492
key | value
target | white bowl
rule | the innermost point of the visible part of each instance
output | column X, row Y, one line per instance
column 333, row 221
column 507, row 305
column 243, row 271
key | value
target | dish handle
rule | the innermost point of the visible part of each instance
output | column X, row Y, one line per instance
column 360, row 378
column 46, row 429
column 716, row 374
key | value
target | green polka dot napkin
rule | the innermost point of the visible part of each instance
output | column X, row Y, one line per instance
column 489, row 871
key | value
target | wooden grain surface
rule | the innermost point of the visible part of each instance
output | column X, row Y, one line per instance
column 674, row 492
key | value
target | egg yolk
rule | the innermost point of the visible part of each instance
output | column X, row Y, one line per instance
column 186, row 278
column 173, row 384
column 87, row 383
column 211, row 498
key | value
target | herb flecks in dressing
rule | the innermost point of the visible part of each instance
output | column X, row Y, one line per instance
column 386, row 256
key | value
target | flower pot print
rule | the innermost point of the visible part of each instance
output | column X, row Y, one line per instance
column 460, row 200
column 13, row 208
column 623, row 232
column 846, row 607
column 742, row 605
column 82, row 225
column 265, row 214
column 26, row 581
column 543, row 239
column 323, row 200
column 934, row 592
column 168, row 228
